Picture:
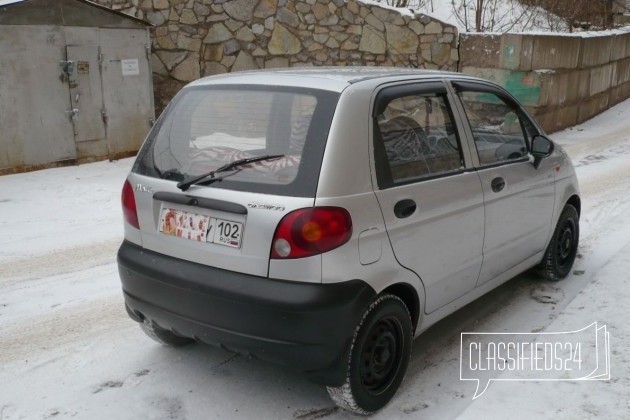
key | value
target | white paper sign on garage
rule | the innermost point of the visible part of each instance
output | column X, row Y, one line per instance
column 130, row 67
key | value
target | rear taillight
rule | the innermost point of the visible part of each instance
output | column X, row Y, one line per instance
column 306, row 232
column 129, row 205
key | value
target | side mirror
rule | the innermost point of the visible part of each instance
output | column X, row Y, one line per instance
column 542, row 147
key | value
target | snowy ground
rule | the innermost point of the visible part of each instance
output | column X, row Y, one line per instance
column 68, row 350
column 498, row 15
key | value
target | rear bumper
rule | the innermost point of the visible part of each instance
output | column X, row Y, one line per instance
column 305, row 326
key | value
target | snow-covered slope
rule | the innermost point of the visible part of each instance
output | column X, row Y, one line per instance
column 498, row 15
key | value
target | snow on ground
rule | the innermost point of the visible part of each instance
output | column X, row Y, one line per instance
column 600, row 149
column 68, row 349
column 60, row 209
column 499, row 15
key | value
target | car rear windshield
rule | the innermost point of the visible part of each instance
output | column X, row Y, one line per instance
column 205, row 128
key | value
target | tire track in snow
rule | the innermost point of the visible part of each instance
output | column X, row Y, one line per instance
column 581, row 143
column 56, row 300
column 59, row 262
column 55, row 333
column 596, row 184
column 22, row 301
column 601, row 163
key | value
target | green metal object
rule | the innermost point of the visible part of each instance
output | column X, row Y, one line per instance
column 525, row 86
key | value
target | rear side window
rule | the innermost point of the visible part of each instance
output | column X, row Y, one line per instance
column 206, row 128
column 416, row 138
column 499, row 129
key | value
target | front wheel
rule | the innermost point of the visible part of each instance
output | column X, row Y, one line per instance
column 562, row 250
column 378, row 359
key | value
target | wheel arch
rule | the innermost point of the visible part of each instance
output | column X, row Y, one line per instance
column 407, row 293
column 575, row 201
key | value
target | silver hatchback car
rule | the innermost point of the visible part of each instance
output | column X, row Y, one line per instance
column 322, row 218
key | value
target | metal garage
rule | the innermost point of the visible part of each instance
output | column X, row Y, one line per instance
column 75, row 84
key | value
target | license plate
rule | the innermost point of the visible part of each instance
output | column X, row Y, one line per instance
column 225, row 232
column 200, row 228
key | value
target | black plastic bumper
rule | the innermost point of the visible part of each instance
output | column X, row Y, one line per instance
column 306, row 326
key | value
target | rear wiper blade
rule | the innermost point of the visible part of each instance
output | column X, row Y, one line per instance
column 217, row 178
column 185, row 184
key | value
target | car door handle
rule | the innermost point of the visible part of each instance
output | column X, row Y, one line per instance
column 497, row 184
column 404, row 208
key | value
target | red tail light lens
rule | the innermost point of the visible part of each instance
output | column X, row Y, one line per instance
column 306, row 232
column 129, row 205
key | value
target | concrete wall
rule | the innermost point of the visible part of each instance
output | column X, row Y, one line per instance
column 194, row 38
column 562, row 79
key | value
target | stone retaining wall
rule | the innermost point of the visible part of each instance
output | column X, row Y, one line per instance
column 563, row 79
column 194, row 38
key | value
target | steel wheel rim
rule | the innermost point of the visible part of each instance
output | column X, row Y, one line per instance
column 381, row 355
column 565, row 245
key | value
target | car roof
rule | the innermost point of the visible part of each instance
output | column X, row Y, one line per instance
column 327, row 78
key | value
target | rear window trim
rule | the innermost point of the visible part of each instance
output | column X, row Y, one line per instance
column 307, row 179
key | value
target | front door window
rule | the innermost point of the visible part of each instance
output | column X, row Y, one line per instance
column 499, row 133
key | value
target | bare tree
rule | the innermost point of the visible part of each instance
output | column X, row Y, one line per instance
column 412, row 4
column 492, row 15
column 583, row 14
column 521, row 15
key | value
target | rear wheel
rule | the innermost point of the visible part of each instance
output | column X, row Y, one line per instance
column 378, row 359
column 163, row 336
column 562, row 250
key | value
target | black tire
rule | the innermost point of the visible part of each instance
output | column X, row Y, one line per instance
column 562, row 250
column 379, row 355
column 163, row 336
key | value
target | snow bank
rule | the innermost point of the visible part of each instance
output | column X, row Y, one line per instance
column 508, row 16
